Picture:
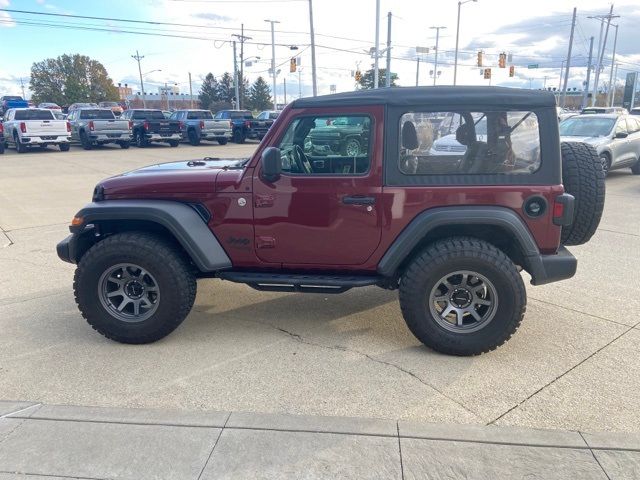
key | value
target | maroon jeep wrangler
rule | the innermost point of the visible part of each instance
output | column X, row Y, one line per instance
column 451, row 192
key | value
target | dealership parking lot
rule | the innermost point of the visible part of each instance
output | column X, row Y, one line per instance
column 574, row 363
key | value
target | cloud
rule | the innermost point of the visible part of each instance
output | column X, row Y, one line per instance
column 6, row 21
column 212, row 16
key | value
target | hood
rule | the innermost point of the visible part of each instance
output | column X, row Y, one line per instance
column 594, row 141
column 186, row 176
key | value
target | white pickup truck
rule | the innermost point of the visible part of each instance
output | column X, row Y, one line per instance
column 30, row 127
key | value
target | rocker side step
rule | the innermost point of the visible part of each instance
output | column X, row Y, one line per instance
column 283, row 282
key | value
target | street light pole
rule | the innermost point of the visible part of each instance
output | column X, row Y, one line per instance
column 435, row 63
column 273, row 61
column 313, row 51
column 376, row 72
column 613, row 61
column 455, row 62
column 138, row 58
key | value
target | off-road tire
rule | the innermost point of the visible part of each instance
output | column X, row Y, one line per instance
column 584, row 178
column 64, row 147
column 469, row 254
column 222, row 141
column 351, row 144
column 193, row 137
column 238, row 136
column 174, row 275
column 124, row 145
column 635, row 169
column 84, row 141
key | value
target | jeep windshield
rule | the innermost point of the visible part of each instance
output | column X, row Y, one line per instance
column 586, row 127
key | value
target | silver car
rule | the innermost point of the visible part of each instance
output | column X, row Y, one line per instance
column 615, row 137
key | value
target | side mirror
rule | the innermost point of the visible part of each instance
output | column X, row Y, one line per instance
column 271, row 164
column 621, row 135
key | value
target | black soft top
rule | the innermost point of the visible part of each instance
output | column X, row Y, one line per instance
column 439, row 95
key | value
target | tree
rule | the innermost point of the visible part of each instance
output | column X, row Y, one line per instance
column 209, row 92
column 367, row 79
column 259, row 97
column 226, row 90
column 69, row 79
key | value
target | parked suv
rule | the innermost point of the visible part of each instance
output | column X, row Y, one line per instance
column 451, row 233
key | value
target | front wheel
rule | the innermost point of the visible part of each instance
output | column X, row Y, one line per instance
column 85, row 142
column 462, row 296
column 134, row 287
column 141, row 140
column 238, row 136
column 351, row 148
column 635, row 169
column 193, row 137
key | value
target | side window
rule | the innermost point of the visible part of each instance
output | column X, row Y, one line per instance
column 633, row 125
column 327, row 145
column 463, row 143
column 621, row 127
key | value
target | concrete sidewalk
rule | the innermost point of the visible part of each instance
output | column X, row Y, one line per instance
column 50, row 441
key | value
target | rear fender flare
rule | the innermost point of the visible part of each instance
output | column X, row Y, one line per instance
column 431, row 219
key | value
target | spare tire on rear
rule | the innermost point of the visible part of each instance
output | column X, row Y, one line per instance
column 583, row 177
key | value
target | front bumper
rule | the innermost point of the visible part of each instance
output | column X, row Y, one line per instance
column 552, row 268
column 67, row 249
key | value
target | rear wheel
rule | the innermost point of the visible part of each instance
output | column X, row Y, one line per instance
column 85, row 142
column 222, row 141
column 583, row 177
column 635, row 169
column 134, row 287
column 141, row 140
column 124, row 145
column 64, row 147
column 351, row 148
column 20, row 147
column 462, row 296
column 193, row 137
column 1, row 146
column 174, row 143
column 238, row 136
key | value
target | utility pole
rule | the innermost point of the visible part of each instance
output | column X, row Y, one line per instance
column 585, row 96
column 455, row 62
column 235, row 77
column 299, row 83
column 417, row 69
column 568, row 62
column 273, row 61
column 313, row 51
column 613, row 61
column 284, row 81
column 242, row 39
column 387, row 82
column 137, row 57
column 190, row 91
column 376, row 72
column 601, row 49
column 561, row 71
column 435, row 64
column 22, row 87
column 613, row 92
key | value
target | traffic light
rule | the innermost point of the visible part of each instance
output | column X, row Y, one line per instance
column 512, row 71
column 358, row 76
column 293, row 65
column 502, row 61
column 487, row 73
column 479, row 59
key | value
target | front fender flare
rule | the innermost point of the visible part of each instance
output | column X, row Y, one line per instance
column 181, row 220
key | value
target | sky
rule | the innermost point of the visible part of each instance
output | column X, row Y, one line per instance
column 534, row 33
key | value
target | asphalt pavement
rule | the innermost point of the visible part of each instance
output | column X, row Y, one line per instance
column 573, row 365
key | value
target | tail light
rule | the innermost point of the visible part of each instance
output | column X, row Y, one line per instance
column 69, row 127
column 23, row 127
column 247, row 124
column 130, row 125
column 1, row 128
column 145, row 125
column 563, row 210
column 201, row 124
column 181, row 125
column 230, row 124
column 92, row 126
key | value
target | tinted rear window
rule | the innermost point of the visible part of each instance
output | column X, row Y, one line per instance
column 148, row 115
column 10, row 98
column 245, row 114
column 96, row 115
column 199, row 115
column 32, row 114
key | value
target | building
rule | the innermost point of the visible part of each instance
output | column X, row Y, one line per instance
column 124, row 92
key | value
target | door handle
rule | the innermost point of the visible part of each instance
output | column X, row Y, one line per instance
column 358, row 200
